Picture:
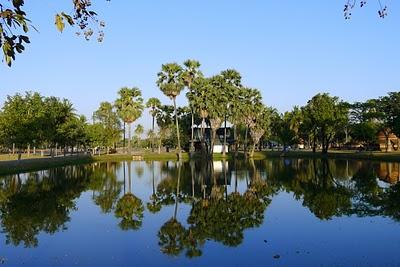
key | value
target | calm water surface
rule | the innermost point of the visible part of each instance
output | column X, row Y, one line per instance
column 223, row 213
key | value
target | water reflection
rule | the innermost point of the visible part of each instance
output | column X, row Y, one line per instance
column 224, row 198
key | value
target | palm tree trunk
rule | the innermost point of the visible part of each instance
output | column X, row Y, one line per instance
column 224, row 147
column 245, row 143
column 235, row 140
column 203, row 146
column 124, row 137
column 252, row 150
column 177, row 131
column 129, row 139
column 152, row 137
column 192, row 134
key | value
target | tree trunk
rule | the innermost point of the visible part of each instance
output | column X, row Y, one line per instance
column 152, row 137
column 235, row 141
column 177, row 131
column 129, row 139
column 214, row 133
column 224, row 146
column 252, row 150
column 124, row 138
column 245, row 143
column 192, row 133
column 203, row 145
column 314, row 144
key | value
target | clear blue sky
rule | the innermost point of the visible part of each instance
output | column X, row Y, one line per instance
column 290, row 49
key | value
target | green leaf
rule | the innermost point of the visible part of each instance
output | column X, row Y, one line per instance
column 59, row 23
column 68, row 18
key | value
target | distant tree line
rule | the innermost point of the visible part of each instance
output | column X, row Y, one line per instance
column 31, row 120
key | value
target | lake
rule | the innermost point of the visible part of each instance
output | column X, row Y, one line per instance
column 277, row 212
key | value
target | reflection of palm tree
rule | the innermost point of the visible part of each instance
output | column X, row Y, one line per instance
column 155, row 204
column 171, row 234
column 129, row 208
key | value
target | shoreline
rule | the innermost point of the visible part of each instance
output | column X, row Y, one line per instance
column 36, row 164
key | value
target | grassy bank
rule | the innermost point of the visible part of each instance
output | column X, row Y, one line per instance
column 375, row 156
column 34, row 164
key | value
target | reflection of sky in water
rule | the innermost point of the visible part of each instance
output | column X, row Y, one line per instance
column 289, row 228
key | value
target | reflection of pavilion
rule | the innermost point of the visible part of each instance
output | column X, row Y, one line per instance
column 212, row 172
column 389, row 172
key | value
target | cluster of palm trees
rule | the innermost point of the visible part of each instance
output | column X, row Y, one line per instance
column 214, row 99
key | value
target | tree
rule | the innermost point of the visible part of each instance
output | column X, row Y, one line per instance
column 198, row 101
column 324, row 115
column 74, row 132
column 129, row 108
column 250, row 107
column 22, row 119
column 390, row 106
column 351, row 4
column 14, row 25
column 284, row 130
column 153, row 104
column 233, row 79
column 108, row 118
column 261, row 126
column 138, row 133
column 189, row 76
column 171, row 84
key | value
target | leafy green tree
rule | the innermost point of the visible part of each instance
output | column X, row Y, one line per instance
column 129, row 108
column 153, row 104
column 138, row 133
column 171, row 84
column 324, row 115
column 390, row 106
column 57, row 113
column 283, row 129
column 74, row 132
column 22, row 120
column 108, row 118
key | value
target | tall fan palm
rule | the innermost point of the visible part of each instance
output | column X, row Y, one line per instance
column 171, row 84
column 153, row 104
column 189, row 75
column 130, row 108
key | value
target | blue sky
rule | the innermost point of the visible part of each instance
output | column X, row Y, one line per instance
column 290, row 51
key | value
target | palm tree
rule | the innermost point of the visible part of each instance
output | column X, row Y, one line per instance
column 189, row 75
column 233, row 81
column 153, row 104
column 138, row 132
column 171, row 84
column 130, row 108
column 261, row 126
